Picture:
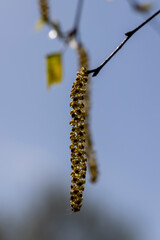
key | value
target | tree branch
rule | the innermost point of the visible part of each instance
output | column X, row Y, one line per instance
column 78, row 15
column 144, row 8
column 74, row 32
column 129, row 35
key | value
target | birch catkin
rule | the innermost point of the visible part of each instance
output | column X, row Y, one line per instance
column 91, row 159
column 78, row 136
column 44, row 9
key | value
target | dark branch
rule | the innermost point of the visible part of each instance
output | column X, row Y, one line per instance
column 145, row 8
column 75, row 31
column 78, row 15
column 129, row 35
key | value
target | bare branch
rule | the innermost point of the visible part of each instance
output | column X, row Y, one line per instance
column 78, row 15
column 75, row 31
column 129, row 35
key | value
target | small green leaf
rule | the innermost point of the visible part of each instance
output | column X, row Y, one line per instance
column 54, row 68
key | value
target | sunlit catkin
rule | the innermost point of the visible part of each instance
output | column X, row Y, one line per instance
column 44, row 10
column 78, row 136
column 91, row 159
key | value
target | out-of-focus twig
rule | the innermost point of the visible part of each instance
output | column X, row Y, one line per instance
column 75, row 31
column 45, row 16
column 78, row 16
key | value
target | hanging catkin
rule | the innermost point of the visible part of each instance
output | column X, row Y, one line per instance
column 44, row 10
column 78, row 136
column 91, row 159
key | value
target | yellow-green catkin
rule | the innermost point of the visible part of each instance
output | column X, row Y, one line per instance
column 91, row 159
column 44, row 10
column 78, row 136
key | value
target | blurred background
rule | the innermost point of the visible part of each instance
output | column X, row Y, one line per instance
column 34, row 125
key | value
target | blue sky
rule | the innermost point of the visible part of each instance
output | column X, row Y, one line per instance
column 34, row 129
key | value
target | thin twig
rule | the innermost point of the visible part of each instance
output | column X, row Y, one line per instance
column 141, row 9
column 75, row 31
column 78, row 15
column 129, row 35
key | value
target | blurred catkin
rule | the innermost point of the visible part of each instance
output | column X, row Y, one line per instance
column 91, row 159
column 44, row 10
